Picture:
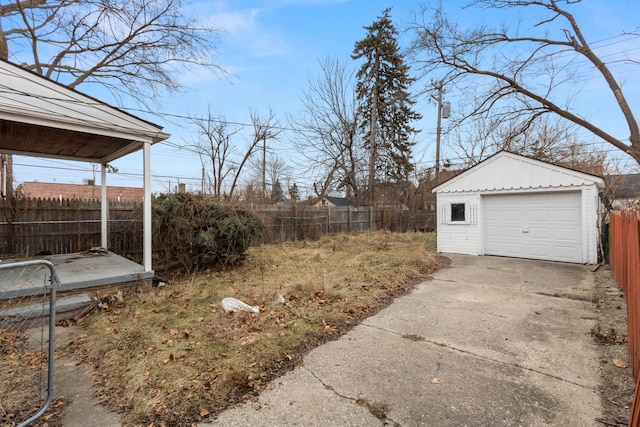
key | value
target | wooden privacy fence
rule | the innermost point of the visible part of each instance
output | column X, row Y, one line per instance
column 624, row 253
column 30, row 226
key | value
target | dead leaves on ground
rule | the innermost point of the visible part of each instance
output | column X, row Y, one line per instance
column 620, row 363
column 194, row 359
column 609, row 337
column 23, row 365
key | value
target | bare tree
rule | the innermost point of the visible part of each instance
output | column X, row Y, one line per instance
column 549, row 139
column 134, row 48
column 524, row 72
column 276, row 170
column 326, row 130
column 215, row 149
column 264, row 128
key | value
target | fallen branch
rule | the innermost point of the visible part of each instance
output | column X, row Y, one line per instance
column 88, row 309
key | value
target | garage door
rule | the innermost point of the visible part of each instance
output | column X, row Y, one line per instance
column 544, row 226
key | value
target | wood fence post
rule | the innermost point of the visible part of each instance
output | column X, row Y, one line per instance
column 9, row 215
column 326, row 230
column 371, row 219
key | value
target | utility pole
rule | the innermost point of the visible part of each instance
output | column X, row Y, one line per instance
column 444, row 110
column 438, row 129
column 264, row 166
column 202, row 180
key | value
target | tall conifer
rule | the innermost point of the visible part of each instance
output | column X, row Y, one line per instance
column 385, row 106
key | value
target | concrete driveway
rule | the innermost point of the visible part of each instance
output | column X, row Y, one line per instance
column 488, row 341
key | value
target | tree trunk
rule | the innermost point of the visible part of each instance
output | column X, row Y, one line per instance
column 372, row 145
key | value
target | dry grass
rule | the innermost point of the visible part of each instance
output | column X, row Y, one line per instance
column 21, row 367
column 174, row 356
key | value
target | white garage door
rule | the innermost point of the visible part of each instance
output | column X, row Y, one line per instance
column 544, row 226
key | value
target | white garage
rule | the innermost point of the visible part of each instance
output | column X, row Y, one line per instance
column 514, row 206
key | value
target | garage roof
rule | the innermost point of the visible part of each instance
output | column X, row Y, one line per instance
column 40, row 117
column 509, row 171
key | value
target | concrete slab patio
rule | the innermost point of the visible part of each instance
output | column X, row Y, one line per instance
column 76, row 272
column 488, row 341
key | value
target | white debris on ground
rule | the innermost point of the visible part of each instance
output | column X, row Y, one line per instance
column 232, row 304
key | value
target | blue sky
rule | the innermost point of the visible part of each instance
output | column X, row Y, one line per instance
column 269, row 49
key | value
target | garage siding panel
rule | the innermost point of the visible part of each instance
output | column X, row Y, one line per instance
column 519, row 228
column 591, row 203
column 460, row 238
column 545, row 226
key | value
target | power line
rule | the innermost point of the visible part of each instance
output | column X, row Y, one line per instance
column 120, row 173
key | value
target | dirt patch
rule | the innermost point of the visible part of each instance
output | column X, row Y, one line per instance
column 610, row 333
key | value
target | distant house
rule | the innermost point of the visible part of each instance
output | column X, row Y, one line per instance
column 53, row 190
column 622, row 190
column 335, row 201
column 426, row 197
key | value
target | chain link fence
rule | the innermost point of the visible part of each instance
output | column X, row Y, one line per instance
column 27, row 340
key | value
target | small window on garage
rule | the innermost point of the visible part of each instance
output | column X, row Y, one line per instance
column 457, row 212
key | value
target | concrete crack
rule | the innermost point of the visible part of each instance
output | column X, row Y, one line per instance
column 377, row 409
column 435, row 278
column 576, row 297
column 462, row 351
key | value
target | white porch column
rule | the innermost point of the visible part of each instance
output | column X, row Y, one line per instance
column 146, row 247
column 104, row 207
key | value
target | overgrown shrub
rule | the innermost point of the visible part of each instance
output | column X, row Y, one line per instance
column 193, row 232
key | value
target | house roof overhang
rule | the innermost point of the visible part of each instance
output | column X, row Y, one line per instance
column 40, row 117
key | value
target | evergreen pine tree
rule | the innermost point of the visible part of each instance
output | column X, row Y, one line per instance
column 385, row 105
column 294, row 193
column 277, row 195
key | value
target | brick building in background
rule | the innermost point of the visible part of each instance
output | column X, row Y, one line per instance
column 52, row 190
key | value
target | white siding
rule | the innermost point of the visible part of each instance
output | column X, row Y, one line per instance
column 459, row 237
column 510, row 174
column 590, row 223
